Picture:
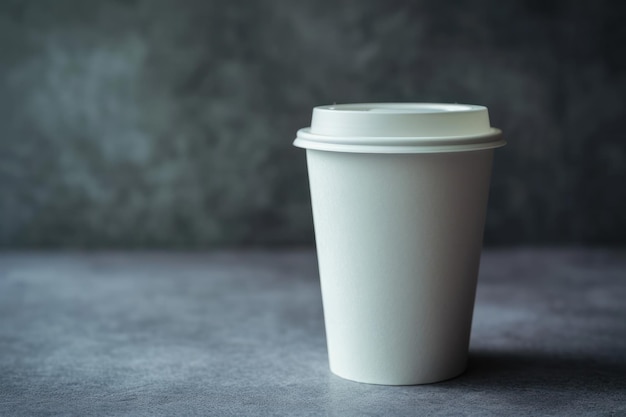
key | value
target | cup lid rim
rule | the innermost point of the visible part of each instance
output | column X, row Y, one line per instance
column 399, row 144
column 400, row 108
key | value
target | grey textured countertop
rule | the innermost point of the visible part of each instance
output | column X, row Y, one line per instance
column 241, row 333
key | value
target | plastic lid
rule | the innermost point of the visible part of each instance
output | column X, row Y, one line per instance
column 399, row 128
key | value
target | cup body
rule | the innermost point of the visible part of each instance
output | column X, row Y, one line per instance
column 398, row 240
column 398, row 225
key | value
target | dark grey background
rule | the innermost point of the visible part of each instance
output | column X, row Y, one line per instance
column 169, row 123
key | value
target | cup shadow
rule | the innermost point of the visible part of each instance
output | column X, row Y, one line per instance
column 518, row 370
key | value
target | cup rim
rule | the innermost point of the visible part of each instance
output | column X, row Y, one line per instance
column 399, row 144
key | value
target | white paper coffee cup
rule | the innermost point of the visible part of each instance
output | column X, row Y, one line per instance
column 399, row 194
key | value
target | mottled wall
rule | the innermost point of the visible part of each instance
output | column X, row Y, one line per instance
column 169, row 123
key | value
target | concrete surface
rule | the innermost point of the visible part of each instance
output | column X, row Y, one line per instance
column 241, row 333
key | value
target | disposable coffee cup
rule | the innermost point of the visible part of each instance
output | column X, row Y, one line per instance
column 399, row 194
